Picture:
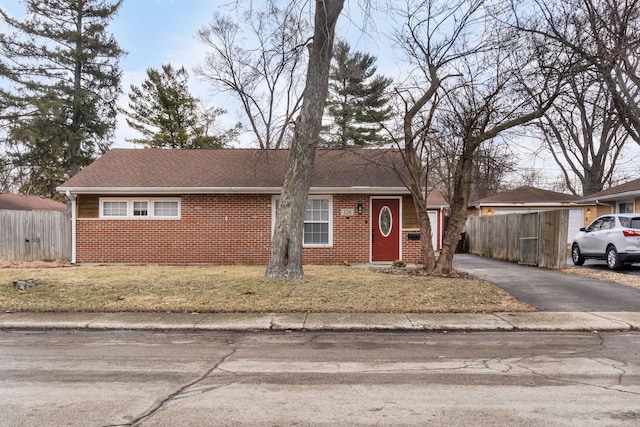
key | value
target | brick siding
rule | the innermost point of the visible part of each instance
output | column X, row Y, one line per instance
column 223, row 229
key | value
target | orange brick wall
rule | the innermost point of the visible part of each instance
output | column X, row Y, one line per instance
column 223, row 229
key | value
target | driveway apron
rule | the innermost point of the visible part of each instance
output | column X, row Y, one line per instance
column 550, row 290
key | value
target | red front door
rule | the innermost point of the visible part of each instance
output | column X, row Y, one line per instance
column 385, row 230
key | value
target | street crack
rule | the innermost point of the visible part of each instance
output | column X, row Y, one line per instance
column 614, row 388
column 176, row 395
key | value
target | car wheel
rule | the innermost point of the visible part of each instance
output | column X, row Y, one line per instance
column 613, row 262
column 576, row 256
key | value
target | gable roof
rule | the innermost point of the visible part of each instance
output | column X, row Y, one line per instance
column 155, row 171
column 628, row 189
column 20, row 202
column 526, row 195
column 435, row 199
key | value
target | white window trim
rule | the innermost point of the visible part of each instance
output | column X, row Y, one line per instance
column 631, row 202
column 102, row 215
column 150, row 208
column 329, row 244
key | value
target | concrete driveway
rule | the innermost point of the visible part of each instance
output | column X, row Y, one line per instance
column 550, row 290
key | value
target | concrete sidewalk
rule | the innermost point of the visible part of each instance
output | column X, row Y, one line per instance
column 538, row 321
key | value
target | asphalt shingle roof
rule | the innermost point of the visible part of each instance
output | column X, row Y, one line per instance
column 526, row 194
column 234, row 168
column 627, row 187
column 20, row 202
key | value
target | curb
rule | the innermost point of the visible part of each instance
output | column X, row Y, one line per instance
column 507, row 321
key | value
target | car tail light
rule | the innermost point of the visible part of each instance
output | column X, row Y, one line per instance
column 631, row 233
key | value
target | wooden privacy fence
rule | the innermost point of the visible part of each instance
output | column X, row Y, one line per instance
column 34, row 235
column 538, row 238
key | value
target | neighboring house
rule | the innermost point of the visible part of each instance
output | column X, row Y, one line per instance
column 623, row 198
column 218, row 206
column 19, row 202
column 530, row 199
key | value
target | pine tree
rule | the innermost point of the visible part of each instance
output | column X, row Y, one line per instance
column 60, row 79
column 356, row 102
column 167, row 115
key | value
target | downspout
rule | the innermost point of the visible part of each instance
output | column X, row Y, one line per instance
column 612, row 207
column 440, row 228
column 72, row 198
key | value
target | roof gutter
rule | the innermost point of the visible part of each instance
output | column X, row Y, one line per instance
column 227, row 190
column 596, row 200
column 517, row 205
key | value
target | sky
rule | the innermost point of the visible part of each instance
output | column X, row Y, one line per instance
column 156, row 32
column 153, row 32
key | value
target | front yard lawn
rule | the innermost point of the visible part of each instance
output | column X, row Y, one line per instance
column 152, row 288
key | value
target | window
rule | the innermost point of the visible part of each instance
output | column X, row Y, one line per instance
column 318, row 221
column 140, row 209
column 625, row 207
column 596, row 225
column 114, row 208
column 630, row 222
column 165, row 208
column 608, row 223
column 385, row 221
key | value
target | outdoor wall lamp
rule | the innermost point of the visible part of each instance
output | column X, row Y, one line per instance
column 588, row 210
column 359, row 207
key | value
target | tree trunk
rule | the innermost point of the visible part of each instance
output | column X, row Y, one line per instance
column 458, row 213
column 285, row 258
column 426, row 233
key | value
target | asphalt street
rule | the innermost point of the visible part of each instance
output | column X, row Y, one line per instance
column 143, row 378
column 576, row 362
column 550, row 290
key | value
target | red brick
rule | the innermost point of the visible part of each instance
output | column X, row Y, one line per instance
column 223, row 229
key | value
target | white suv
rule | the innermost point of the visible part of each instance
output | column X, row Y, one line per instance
column 614, row 238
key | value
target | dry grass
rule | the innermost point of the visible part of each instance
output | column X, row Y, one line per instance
column 601, row 273
column 142, row 288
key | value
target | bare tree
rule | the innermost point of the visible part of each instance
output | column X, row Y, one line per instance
column 285, row 258
column 479, row 81
column 584, row 134
column 483, row 109
column 492, row 163
column 605, row 36
column 266, row 79
column 432, row 54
